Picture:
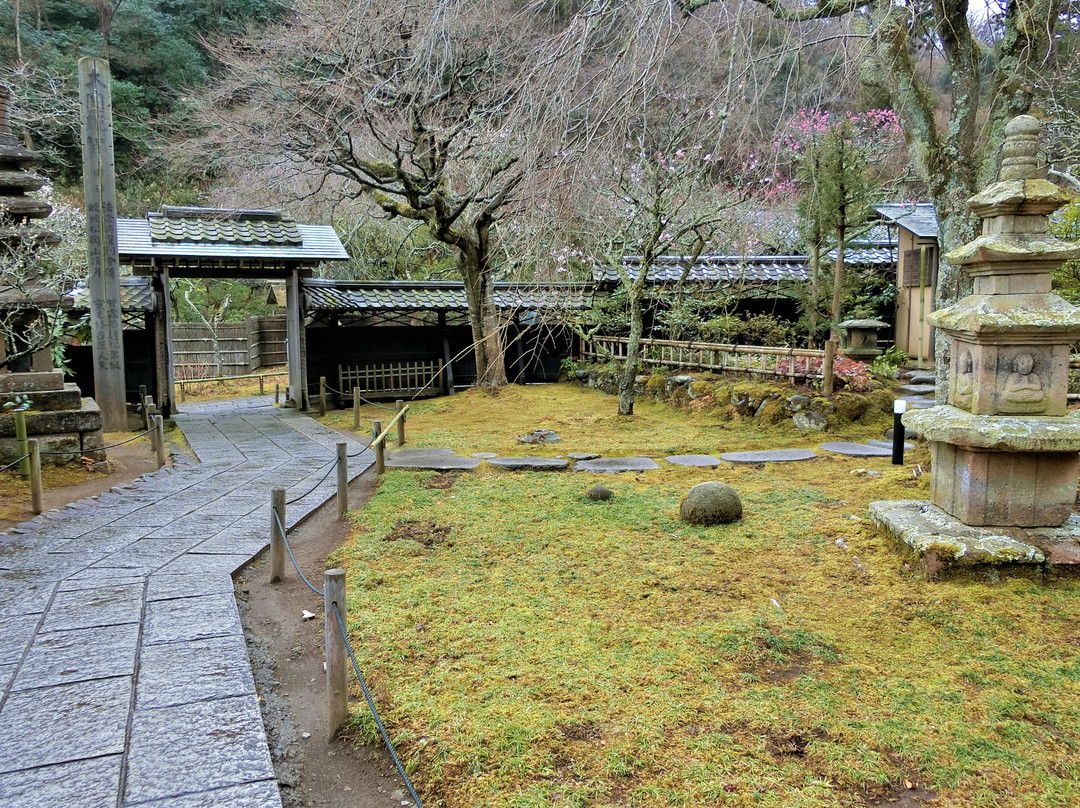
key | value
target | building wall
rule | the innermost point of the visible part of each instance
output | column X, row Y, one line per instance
column 914, row 301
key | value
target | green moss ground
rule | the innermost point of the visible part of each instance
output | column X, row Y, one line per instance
column 530, row 647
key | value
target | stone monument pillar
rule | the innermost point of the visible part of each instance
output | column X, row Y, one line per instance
column 1005, row 454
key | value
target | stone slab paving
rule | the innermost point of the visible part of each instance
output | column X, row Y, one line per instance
column 430, row 460
column 702, row 461
column 616, row 465
column 530, row 463
column 856, row 449
column 771, row 456
column 887, row 444
column 123, row 667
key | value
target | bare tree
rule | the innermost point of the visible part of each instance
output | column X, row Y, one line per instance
column 954, row 133
column 408, row 107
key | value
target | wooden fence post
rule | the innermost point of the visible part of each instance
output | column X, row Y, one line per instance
column 24, row 447
column 380, row 455
column 261, row 391
column 356, row 409
column 827, row 367
column 36, row 495
column 277, row 535
column 342, row 478
column 159, row 432
column 277, row 393
column 337, row 693
column 400, row 424
column 322, row 396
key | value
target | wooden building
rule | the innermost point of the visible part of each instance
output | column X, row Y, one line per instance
column 915, row 228
column 399, row 339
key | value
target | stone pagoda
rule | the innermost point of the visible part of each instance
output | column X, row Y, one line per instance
column 66, row 425
column 1005, row 453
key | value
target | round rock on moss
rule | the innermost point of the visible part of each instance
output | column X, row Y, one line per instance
column 599, row 493
column 711, row 503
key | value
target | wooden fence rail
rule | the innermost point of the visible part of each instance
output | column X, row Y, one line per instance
column 392, row 379
column 793, row 363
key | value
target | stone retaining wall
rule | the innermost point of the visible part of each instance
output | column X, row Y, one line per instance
column 732, row 397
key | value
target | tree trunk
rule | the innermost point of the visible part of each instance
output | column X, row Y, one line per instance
column 838, row 280
column 815, row 273
column 631, row 365
column 484, row 321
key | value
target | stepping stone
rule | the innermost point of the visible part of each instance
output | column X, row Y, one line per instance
column 773, row 456
column 918, row 389
column 430, row 460
column 887, row 444
column 909, row 434
column 855, row 449
column 582, row 455
column 693, row 460
column 614, row 465
column 530, row 463
column 920, row 377
column 484, row 455
column 919, row 402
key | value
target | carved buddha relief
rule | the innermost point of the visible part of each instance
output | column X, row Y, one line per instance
column 1023, row 390
column 965, row 379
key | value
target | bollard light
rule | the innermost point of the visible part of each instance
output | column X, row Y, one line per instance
column 899, row 407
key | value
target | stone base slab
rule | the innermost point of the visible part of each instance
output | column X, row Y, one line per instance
column 69, row 398
column 31, row 383
column 945, row 547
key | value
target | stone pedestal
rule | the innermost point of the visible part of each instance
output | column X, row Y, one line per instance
column 1005, row 454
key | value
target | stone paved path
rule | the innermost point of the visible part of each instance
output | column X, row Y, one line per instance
column 124, row 674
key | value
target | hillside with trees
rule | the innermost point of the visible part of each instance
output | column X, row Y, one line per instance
column 493, row 139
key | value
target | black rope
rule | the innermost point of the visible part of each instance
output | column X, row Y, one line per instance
column 17, row 462
column 366, row 401
column 320, row 482
column 288, row 549
column 374, row 711
column 103, row 448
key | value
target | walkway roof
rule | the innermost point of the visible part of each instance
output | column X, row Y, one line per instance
column 214, row 242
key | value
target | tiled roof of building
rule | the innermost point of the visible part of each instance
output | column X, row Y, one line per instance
column 712, row 269
column 754, row 269
column 213, row 226
column 323, row 295
column 136, row 294
column 918, row 217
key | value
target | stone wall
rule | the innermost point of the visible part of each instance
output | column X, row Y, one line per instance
column 734, row 397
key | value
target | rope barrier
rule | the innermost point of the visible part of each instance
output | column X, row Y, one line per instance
column 349, row 649
column 17, row 462
column 288, row 549
column 374, row 712
column 103, row 448
column 320, row 482
column 366, row 401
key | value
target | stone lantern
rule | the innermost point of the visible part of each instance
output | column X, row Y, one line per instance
column 860, row 339
column 1005, row 454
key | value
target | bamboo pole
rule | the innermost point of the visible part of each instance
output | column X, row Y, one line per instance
column 37, row 498
column 24, row 448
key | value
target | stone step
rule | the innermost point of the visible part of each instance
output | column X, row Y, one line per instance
column 917, row 389
column 908, row 374
column 919, row 402
column 921, row 377
column 909, row 434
